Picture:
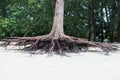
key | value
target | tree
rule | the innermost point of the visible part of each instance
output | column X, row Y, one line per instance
column 118, row 8
column 56, row 40
column 118, row 29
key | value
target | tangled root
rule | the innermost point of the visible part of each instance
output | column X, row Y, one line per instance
column 59, row 46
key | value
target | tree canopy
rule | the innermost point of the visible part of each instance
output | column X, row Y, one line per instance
column 95, row 20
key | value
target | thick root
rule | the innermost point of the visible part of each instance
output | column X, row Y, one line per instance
column 59, row 46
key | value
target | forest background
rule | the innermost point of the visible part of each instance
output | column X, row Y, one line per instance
column 95, row 20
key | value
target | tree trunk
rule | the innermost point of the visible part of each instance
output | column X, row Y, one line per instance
column 119, row 29
column 94, row 25
column 113, row 22
column 102, row 34
column 57, row 28
column 118, row 8
column 90, row 32
column 93, row 21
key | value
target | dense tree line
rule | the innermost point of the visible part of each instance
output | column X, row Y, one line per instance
column 95, row 20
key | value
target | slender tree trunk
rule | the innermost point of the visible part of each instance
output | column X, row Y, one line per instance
column 112, row 35
column 89, row 35
column 94, row 28
column 57, row 28
column 118, row 8
column 119, row 29
column 93, row 22
column 106, row 11
column 89, row 24
column 102, row 34
column 113, row 22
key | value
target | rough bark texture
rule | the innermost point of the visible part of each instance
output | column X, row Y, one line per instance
column 57, row 29
column 56, row 41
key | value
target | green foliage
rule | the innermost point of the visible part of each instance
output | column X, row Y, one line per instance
column 6, row 27
column 35, row 17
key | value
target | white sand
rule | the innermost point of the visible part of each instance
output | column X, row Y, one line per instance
column 17, row 65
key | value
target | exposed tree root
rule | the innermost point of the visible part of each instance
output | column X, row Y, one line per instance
column 59, row 46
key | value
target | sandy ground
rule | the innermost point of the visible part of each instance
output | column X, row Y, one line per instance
column 92, row 65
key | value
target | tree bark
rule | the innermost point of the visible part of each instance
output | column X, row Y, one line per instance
column 119, row 29
column 90, row 32
column 94, row 25
column 93, row 21
column 57, row 28
column 114, row 7
column 118, row 8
